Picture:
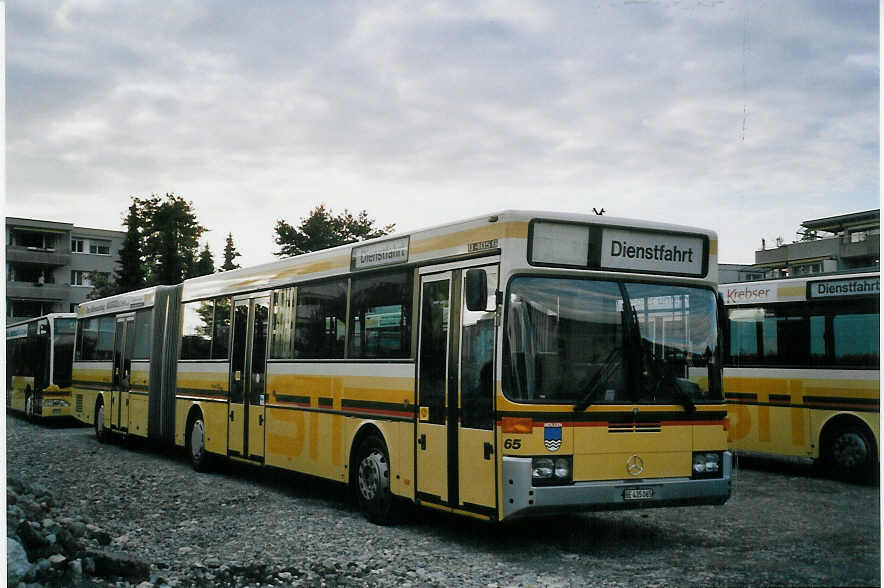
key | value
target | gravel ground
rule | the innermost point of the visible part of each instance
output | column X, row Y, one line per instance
column 238, row 526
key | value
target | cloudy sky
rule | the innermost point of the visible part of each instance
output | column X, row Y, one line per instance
column 743, row 116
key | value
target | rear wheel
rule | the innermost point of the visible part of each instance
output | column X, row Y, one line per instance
column 30, row 411
column 849, row 453
column 100, row 431
column 196, row 445
column 373, row 481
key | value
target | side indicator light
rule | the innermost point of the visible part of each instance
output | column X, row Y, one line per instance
column 516, row 425
column 726, row 423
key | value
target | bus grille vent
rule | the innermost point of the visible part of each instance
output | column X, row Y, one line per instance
column 634, row 427
column 79, row 403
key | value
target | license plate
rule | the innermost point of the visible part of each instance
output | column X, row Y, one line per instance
column 56, row 411
column 638, row 493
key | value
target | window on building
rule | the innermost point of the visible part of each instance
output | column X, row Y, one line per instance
column 78, row 245
column 24, row 272
column 99, row 247
column 80, row 278
column 34, row 240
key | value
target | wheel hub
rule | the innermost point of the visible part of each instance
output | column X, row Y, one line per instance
column 369, row 476
column 850, row 450
column 196, row 441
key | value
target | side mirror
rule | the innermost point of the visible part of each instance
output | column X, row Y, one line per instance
column 476, row 289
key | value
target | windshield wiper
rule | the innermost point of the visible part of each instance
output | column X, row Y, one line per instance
column 666, row 381
column 611, row 364
column 683, row 397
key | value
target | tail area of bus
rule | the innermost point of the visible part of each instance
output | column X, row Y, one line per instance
column 39, row 354
column 802, row 371
column 509, row 365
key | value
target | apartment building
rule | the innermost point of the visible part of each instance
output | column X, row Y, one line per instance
column 846, row 242
column 48, row 265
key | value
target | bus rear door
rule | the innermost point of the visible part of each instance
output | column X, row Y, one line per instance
column 124, row 346
column 245, row 410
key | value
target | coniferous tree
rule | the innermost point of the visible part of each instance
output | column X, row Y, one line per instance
column 102, row 286
column 172, row 238
column 131, row 273
column 230, row 254
column 205, row 264
column 322, row 229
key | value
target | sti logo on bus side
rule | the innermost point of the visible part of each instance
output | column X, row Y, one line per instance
column 552, row 436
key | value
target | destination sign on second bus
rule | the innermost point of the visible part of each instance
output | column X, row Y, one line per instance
column 851, row 287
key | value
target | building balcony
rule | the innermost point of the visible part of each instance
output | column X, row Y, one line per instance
column 868, row 248
column 47, row 257
column 32, row 291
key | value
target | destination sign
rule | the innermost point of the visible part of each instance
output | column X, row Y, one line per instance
column 380, row 254
column 849, row 287
column 652, row 251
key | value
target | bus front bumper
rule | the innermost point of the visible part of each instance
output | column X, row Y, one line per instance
column 521, row 498
column 55, row 408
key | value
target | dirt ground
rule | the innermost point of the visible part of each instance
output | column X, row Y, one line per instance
column 785, row 525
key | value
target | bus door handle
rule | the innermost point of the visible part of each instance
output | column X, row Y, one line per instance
column 422, row 441
column 489, row 450
column 231, row 416
column 260, row 419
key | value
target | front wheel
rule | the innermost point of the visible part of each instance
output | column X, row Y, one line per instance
column 373, row 481
column 849, row 453
column 29, row 407
column 196, row 445
column 100, row 431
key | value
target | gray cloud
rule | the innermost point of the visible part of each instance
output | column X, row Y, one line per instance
column 746, row 117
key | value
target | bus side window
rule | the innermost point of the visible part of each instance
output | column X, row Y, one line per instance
column 856, row 339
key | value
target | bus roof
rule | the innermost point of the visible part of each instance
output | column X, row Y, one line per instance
column 819, row 286
column 49, row 316
column 448, row 241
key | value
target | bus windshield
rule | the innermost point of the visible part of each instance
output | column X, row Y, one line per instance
column 578, row 341
column 63, row 351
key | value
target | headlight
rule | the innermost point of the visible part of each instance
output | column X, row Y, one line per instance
column 563, row 468
column 706, row 464
column 542, row 468
column 546, row 471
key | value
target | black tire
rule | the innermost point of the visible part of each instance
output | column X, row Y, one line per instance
column 372, row 481
column 196, row 445
column 101, row 433
column 30, row 409
column 849, row 453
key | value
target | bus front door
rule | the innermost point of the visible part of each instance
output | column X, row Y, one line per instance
column 432, row 388
column 124, row 347
column 455, row 390
column 245, row 409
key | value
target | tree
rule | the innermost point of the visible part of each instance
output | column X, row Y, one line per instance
column 322, row 229
column 230, row 254
column 172, row 238
column 102, row 286
column 132, row 274
column 205, row 264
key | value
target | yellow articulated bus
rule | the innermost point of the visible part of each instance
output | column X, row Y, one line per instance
column 802, row 372
column 508, row 365
column 39, row 353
